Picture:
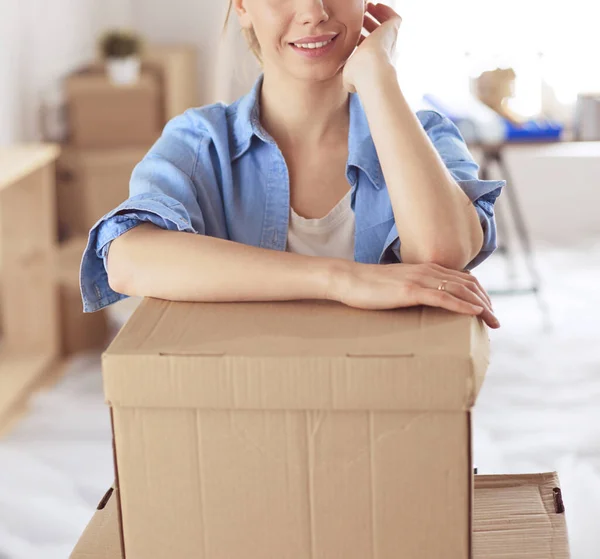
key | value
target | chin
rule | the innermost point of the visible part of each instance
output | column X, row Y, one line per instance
column 314, row 74
column 311, row 70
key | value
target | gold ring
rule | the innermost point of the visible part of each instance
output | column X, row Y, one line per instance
column 442, row 286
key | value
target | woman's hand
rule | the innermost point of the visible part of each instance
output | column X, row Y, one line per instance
column 372, row 286
column 378, row 48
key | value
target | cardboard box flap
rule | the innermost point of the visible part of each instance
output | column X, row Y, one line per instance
column 295, row 355
column 102, row 536
column 514, row 516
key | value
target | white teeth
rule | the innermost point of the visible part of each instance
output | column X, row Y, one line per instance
column 313, row 45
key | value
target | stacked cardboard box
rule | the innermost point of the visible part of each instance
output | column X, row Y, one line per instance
column 111, row 129
column 514, row 517
column 90, row 183
column 80, row 331
column 105, row 116
column 304, row 429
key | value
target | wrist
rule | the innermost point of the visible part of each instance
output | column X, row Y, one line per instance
column 374, row 71
column 335, row 278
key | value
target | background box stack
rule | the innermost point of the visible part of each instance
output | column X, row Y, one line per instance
column 111, row 129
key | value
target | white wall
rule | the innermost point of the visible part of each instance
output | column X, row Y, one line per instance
column 10, row 78
column 226, row 67
column 42, row 41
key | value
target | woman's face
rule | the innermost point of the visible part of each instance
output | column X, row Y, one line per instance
column 311, row 39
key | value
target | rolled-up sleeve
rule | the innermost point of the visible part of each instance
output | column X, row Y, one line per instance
column 451, row 146
column 162, row 191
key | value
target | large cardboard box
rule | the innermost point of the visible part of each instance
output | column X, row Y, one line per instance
column 103, row 115
column 515, row 517
column 294, row 430
column 91, row 183
column 176, row 68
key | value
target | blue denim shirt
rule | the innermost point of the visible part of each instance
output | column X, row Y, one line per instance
column 215, row 171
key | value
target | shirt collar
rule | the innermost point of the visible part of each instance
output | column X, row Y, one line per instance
column 246, row 120
column 362, row 153
column 361, row 149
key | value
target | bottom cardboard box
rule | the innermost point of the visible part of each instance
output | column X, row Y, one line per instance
column 520, row 516
column 79, row 332
column 90, row 183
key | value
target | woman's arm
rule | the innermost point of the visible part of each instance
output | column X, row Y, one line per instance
column 151, row 262
column 436, row 220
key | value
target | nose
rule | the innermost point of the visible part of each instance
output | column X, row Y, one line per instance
column 312, row 12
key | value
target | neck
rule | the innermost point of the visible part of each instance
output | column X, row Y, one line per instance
column 301, row 112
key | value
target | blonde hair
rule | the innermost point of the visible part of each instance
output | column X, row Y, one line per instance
column 249, row 35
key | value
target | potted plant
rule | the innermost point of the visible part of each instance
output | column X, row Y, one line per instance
column 122, row 52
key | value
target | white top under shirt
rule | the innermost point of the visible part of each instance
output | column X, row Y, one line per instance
column 331, row 236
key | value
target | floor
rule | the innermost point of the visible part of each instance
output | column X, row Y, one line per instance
column 539, row 410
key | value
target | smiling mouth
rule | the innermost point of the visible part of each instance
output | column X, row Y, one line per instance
column 313, row 46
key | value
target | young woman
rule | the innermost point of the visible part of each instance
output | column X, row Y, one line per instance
column 320, row 183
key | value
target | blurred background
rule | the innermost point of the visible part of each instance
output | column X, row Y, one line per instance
column 85, row 88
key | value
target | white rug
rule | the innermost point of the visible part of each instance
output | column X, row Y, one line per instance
column 539, row 410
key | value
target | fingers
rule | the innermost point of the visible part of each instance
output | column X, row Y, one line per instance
column 382, row 12
column 466, row 276
column 459, row 285
column 445, row 300
column 466, row 294
column 463, row 290
column 370, row 24
column 466, row 279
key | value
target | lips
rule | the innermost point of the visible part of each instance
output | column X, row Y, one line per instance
column 315, row 52
column 315, row 39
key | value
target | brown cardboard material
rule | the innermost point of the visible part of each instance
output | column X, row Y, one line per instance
column 101, row 538
column 178, row 68
column 91, row 183
column 301, row 429
column 519, row 516
column 102, row 115
column 514, row 517
column 79, row 331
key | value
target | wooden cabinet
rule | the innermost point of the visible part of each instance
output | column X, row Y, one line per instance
column 42, row 318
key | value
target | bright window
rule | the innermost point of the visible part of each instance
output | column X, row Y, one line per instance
column 436, row 35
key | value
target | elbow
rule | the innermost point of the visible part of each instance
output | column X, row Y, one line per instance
column 447, row 260
column 117, row 282
column 454, row 254
column 450, row 257
column 118, row 269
